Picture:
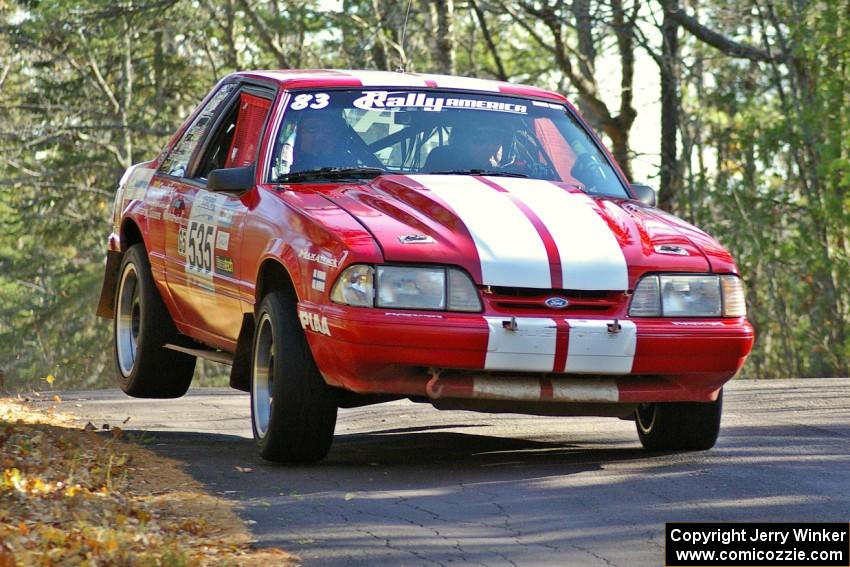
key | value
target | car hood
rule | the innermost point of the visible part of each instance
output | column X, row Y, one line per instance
column 525, row 233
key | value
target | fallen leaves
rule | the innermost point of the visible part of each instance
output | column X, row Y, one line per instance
column 72, row 496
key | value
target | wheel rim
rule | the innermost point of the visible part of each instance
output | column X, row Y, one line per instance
column 128, row 320
column 646, row 414
column 263, row 379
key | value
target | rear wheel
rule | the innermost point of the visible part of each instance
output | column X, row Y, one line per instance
column 680, row 426
column 142, row 327
column 293, row 410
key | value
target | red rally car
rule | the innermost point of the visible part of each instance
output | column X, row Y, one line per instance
column 344, row 238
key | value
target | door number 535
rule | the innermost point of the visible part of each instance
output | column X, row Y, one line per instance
column 199, row 252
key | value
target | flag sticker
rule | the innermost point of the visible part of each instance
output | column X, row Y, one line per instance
column 319, row 278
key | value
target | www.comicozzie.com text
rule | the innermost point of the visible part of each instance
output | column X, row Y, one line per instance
column 727, row 536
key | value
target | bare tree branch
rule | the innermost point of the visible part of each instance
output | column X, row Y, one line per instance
column 488, row 38
column 717, row 40
column 97, row 75
column 265, row 34
column 530, row 30
column 97, row 141
column 4, row 73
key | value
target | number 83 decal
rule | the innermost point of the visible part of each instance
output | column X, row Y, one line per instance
column 314, row 101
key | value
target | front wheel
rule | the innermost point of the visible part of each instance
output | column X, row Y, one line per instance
column 293, row 410
column 679, row 426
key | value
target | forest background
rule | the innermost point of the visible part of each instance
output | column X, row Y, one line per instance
column 749, row 130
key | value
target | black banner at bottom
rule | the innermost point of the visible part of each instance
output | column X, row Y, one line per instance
column 757, row 544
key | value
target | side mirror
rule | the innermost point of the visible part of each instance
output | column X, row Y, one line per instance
column 231, row 180
column 644, row 193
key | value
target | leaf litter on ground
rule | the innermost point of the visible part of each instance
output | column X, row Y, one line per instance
column 79, row 496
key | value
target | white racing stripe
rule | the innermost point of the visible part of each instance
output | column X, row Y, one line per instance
column 510, row 249
column 387, row 79
column 464, row 83
column 591, row 257
column 594, row 350
column 591, row 348
column 531, row 347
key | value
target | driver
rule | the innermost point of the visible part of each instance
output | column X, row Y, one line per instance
column 320, row 141
column 475, row 146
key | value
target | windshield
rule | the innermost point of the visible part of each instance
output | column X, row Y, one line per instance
column 437, row 132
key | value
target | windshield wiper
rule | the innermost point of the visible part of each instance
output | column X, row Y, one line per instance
column 494, row 172
column 331, row 173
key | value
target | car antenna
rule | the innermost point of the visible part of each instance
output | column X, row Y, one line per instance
column 403, row 67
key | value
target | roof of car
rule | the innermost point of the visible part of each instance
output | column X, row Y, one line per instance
column 328, row 78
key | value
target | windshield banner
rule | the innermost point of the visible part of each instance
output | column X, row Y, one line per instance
column 391, row 100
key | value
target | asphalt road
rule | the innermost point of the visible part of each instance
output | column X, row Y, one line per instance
column 408, row 485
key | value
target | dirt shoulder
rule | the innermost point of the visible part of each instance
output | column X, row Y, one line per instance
column 95, row 496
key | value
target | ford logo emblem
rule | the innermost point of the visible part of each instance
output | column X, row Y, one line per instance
column 556, row 302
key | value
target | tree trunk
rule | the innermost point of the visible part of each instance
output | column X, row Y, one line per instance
column 442, row 12
column 158, row 72
column 620, row 148
column 670, row 175
column 379, row 48
column 127, row 92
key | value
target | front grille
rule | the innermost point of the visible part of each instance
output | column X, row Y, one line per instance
column 529, row 299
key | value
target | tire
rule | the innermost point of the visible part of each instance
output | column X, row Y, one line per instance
column 682, row 426
column 142, row 325
column 293, row 410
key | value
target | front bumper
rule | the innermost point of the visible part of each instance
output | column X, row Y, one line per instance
column 526, row 360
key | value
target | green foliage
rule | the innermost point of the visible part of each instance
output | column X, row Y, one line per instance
column 88, row 87
column 777, row 194
column 81, row 103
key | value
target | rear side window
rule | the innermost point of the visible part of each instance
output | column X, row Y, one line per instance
column 178, row 159
column 236, row 139
column 252, row 115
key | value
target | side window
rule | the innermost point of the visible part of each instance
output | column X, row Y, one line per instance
column 178, row 159
column 237, row 138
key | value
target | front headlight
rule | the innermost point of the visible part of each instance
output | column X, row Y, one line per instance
column 407, row 287
column 411, row 288
column 688, row 295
